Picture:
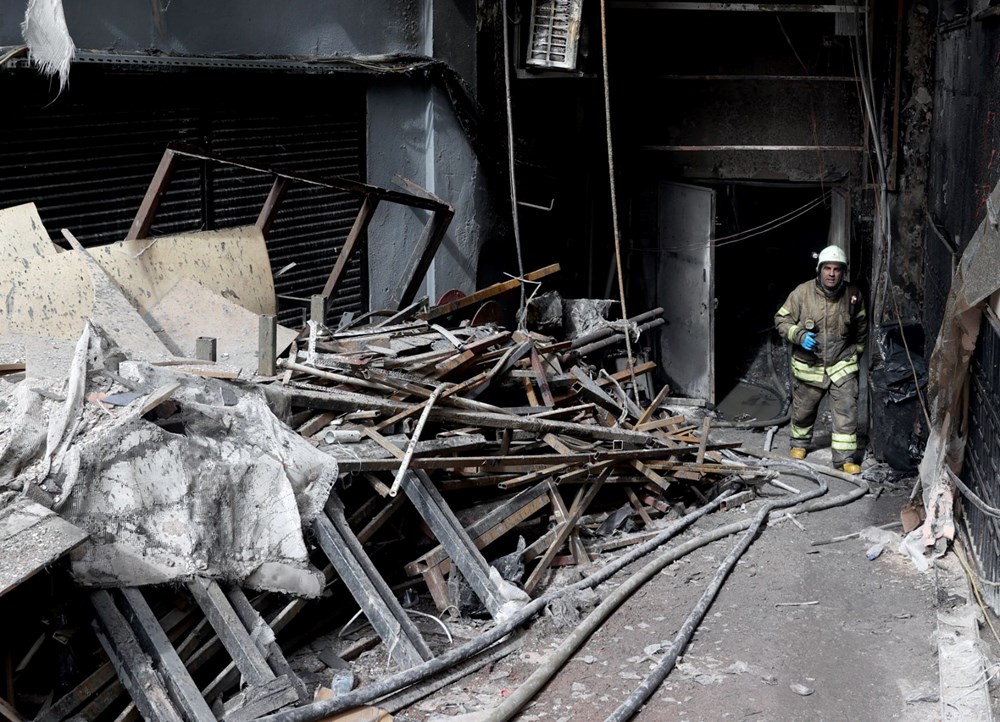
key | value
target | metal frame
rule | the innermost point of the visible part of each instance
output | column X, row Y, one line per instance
column 440, row 212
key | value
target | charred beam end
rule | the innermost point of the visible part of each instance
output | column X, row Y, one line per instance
column 134, row 667
column 369, row 590
column 154, row 642
column 465, row 556
column 231, row 632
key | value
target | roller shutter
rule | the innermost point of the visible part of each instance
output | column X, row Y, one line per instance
column 86, row 158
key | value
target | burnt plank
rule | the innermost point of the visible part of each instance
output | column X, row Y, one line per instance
column 231, row 632
column 134, row 668
column 439, row 517
column 259, row 629
column 155, row 644
column 366, row 585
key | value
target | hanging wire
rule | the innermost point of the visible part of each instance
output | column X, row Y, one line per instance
column 882, row 270
column 614, row 199
column 747, row 234
column 515, row 216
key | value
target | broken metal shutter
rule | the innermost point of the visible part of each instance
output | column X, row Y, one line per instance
column 554, row 33
column 312, row 223
column 87, row 167
column 982, row 456
column 87, row 160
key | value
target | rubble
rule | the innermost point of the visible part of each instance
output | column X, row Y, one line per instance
column 205, row 501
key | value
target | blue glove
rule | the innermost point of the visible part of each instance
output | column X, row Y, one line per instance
column 809, row 342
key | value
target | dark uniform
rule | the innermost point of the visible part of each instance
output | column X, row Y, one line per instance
column 838, row 320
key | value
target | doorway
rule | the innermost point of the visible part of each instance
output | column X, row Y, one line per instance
column 766, row 238
column 720, row 258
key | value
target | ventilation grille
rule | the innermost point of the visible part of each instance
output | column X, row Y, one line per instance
column 555, row 33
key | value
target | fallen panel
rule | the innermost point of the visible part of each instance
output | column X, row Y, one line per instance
column 22, row 234
column 31, row 538
column 190, row 310
column 54, row 296
column 231, row 262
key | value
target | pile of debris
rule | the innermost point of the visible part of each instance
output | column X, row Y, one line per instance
column 185, row 450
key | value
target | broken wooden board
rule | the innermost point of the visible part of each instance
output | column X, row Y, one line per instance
column 189, row 310
column 231, row 262
column 31, row 538
column 22, row 234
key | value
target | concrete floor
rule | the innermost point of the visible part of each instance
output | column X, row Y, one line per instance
column 866, row 637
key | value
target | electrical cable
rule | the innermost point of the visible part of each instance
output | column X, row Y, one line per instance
column 551, row 666
column 971, row 495
column 515, row 216
column 747, row 234
column 318, row 710
column 979, row 598
column 20, row 50
column 627, row 709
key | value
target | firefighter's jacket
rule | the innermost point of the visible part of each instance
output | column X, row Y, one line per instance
column 840, row 325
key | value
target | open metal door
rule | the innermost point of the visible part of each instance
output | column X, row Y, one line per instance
column 685, row 287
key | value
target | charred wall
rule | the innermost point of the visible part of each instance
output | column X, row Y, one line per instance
column 965, row 149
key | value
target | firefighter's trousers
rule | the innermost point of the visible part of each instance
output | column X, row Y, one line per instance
column 844, row 403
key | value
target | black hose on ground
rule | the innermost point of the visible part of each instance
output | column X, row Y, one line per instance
column 318, row 710
column 578, row 636
column 627, row 709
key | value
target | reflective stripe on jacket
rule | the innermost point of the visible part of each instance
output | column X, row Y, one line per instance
column 840, row 324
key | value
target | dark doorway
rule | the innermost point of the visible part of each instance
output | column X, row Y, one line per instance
column 766, row 236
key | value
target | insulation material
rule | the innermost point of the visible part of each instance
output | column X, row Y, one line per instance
column 213, row 490
column 977, row 277
column 545, row 311
column 582, row 315
column 47, row 37
column 180, row 317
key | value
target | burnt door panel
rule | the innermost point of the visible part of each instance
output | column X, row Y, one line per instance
column 685, row 288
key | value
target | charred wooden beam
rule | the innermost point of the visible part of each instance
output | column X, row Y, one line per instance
column 233, row 635
column 368, row 588
column 134, row 667
column 421, row 258
column 352, row 243
column 156, row 645
column 259, row 630
column 448, row 530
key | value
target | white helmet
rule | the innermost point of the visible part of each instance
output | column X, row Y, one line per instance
column 831, row 254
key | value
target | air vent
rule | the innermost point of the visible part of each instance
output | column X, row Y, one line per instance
column 555, row 33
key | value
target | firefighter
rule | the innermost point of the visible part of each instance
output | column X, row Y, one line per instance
column 824, row 320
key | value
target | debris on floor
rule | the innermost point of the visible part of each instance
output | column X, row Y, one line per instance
column 409, row 477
